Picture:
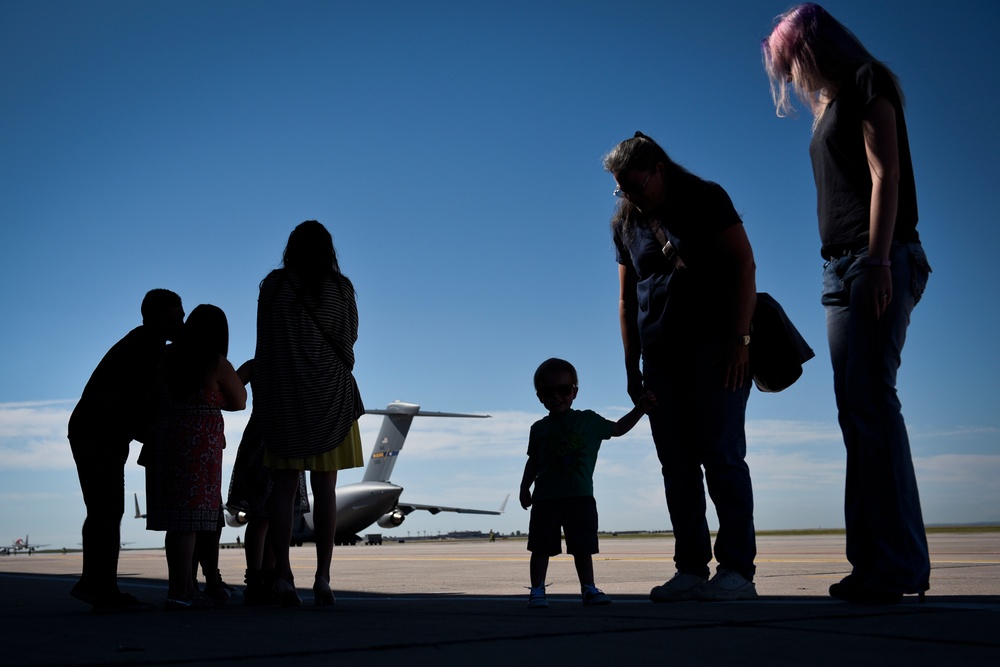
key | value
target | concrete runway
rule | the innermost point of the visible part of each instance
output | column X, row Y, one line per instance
column 461, row 603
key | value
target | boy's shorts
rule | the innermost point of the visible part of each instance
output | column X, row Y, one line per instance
column 576, row 516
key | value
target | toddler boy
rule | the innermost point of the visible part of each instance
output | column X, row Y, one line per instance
column 562, row 453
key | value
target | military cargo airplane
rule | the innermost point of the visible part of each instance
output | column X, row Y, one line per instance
column 374, row 499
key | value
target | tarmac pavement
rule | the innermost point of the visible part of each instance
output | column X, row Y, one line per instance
column 463, row 603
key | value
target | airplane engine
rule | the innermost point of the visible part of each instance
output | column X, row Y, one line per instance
column 392, row 519
column 237, row 520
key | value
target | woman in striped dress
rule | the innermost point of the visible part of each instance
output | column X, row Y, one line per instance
column 307, row 323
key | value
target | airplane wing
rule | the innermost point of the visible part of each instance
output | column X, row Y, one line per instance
column 406, row 508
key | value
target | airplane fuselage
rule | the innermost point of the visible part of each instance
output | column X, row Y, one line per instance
column 358, row 506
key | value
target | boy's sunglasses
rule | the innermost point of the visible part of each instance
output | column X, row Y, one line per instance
column 562, row 390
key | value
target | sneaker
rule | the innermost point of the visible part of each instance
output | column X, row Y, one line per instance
column 594, row 596
column 536, row 598
column 727, row 585
column 680, row 588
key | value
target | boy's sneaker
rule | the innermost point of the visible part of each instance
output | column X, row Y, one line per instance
column 536, row 598
column 594, row 596
column 727, row 585
column 680, row 588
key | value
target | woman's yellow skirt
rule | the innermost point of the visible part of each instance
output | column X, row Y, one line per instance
column 346, row 455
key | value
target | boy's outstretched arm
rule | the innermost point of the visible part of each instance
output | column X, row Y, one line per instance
column 646, row 403
column 527, row 479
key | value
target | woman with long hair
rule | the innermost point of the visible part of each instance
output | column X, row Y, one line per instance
column 307, row 324
column 688, row 292
column 874, row 275
column 184, row 465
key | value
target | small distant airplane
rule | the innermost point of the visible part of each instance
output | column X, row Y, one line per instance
column 21, row 545
column 374, row 499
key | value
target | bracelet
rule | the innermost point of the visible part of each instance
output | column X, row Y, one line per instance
column 874, row 261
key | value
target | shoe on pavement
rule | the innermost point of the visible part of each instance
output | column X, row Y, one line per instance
column 850, row 590
column 84, row 594
column 536, row 598
column 680, row 588
column 727, row 585
column 594, row 596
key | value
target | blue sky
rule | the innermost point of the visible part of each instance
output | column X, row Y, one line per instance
column 454, row 151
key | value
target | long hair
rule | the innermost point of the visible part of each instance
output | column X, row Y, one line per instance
column 204, row 338
column 310, row 254
column 640, row 153
column 808, row 52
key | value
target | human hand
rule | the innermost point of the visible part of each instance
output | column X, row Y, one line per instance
column 876, row 290
column 737, row 365
column 245, row 371
column 525, row 497
column 635, row 389
column 647, row 402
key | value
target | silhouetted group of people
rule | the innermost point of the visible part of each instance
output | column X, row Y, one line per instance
column 687, row 279
column 171, row 398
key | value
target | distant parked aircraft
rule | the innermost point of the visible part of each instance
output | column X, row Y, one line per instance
column 21, row 545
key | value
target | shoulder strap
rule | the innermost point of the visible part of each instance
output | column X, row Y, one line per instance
column 668, row 249
column 326, row 335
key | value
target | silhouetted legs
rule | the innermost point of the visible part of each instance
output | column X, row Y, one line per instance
column 101, row 469
column 281, row 521
column 324, row 488
column 698, row 430
column 179, row 547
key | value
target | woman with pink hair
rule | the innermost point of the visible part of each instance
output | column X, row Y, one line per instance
column 874, row 275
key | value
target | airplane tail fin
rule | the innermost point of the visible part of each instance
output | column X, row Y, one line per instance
column 138, row 512
column 395, row 426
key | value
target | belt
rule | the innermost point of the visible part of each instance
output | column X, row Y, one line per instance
column 841, row 250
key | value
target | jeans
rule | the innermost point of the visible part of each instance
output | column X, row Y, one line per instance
column 886, row 542
column 698, row 423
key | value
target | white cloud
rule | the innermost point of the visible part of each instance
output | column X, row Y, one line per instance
column 503, row 434
column 957, row 433
column 969, row 471
column 779, row 433
column 797, row 467
column 33, row 435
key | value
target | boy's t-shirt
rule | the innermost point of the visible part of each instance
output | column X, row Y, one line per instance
column 565, row 448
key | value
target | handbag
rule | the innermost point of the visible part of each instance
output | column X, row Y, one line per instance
column 777, row 349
